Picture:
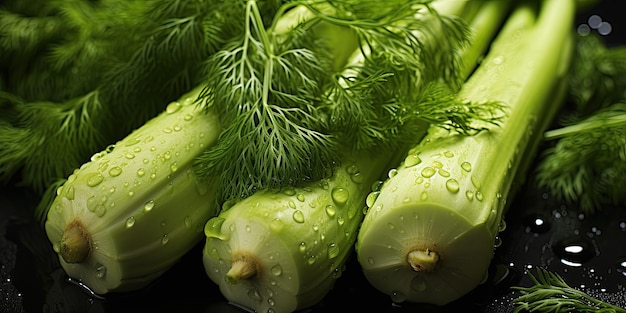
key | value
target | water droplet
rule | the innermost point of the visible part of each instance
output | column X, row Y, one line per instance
column 377, row 185
column 448, row 154
column 291, row 204
column 392, row 172
column 173, row 167
column 254, row 295
column 130, row 155
column 424, row 196
column 452, row 185
column 479, row 196
column 69, row 192
column 466, row 166
column 100, row 210
column 165, row 239
column 188, row 222
column 115, row 171
column 276, row 225
column 94, row 179
column 333, row 251
column 371, row 198
column 298, row 216
column 340, row 220
column 370, row 260
column 331, row 210
column 536, row 223
column 148, row 205
column 398, row 296
column 311, row 260
column 418, row 283
column 173, row 107
column 130, row 222
column 437, row 164
column 575, row 250
column 428, row 172
column 621, row 265
column 300, row 197
column 340, row 195
column 101, row 271
column 302, row 247
column 141, row 172
column 412, row 160
column 498, row 60
column 469, row 195
column 443, row 173
column 290, row 191
column 277, row 270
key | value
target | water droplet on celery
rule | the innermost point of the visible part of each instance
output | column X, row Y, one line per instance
column 398, row 296
column 254, row 295
column 148, row 205
column 437, row 164
column 100, row 210
column 479, row 196
column 277, row 270
column 370, row 260
column 333, row 251
column 130, row 222
column 340, row 195
column 340, row 220
column 173, row 107
column 141, row 172
column 173, row 167
column 424, row 196
column 291, row 204
column 466, row 166
column 448, row 154
column 300, row 197
column 69, row 192
column 428, row 172
column 331, row 210
column 371, row 198
column 94, row 179
column 302, row 247
column 392, row 172
column 469, row 195
column 412, row 160
column 418, row 283
column 115, row 171
column 276, row 225
column 443, row 173
column 101, row 270
column 452, row 185
column 298, row 216
column 129, row 155
column 290, row 191
column 165, row 239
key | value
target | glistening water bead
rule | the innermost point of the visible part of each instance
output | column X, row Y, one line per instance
column 574, row 251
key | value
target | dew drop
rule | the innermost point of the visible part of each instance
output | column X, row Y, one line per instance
column 100, row 210
column 290, row 191
column 254, row 295
column 392, row 172
column 101, row 271
column 412, row 160
column 331, row 210
column 466, row 166
column 479, row 196
column 443, row 173
column 165, row 239
column 621, row 266
column 448, row 154
column 371, row 198
column 129, row 155
column 437, row 164
column 340, row 220
column 300, row 197
column 94, row 179
column 173, row 107
column 291, row 204
column 213, row 228
column 130, row 222
column 398, row 296
column 418, row 283
column 148, row 206
column 428, row 172
column 469, row 195
column 452, row 185
column 333, row 251
column 298, row 216
column 302, row 247
column 277, row 270
column 69, row 192
column 340, row 195
column 424, row 196
column 276, row 225
column 173, row 167
column 141, row 172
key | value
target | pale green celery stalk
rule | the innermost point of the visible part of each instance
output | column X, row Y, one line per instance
column 122, row 219
column 282, row 250
column 430, row 234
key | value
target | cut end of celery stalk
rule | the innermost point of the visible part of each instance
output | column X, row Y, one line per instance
column 75, row 243
column 243, row 267
column 425, row 253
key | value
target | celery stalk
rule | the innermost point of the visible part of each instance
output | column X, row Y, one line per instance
column 282, row 250
column 430, row 234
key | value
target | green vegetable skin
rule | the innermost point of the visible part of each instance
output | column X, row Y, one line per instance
column 122, row 219
column 282, row 250
column 430, row 234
